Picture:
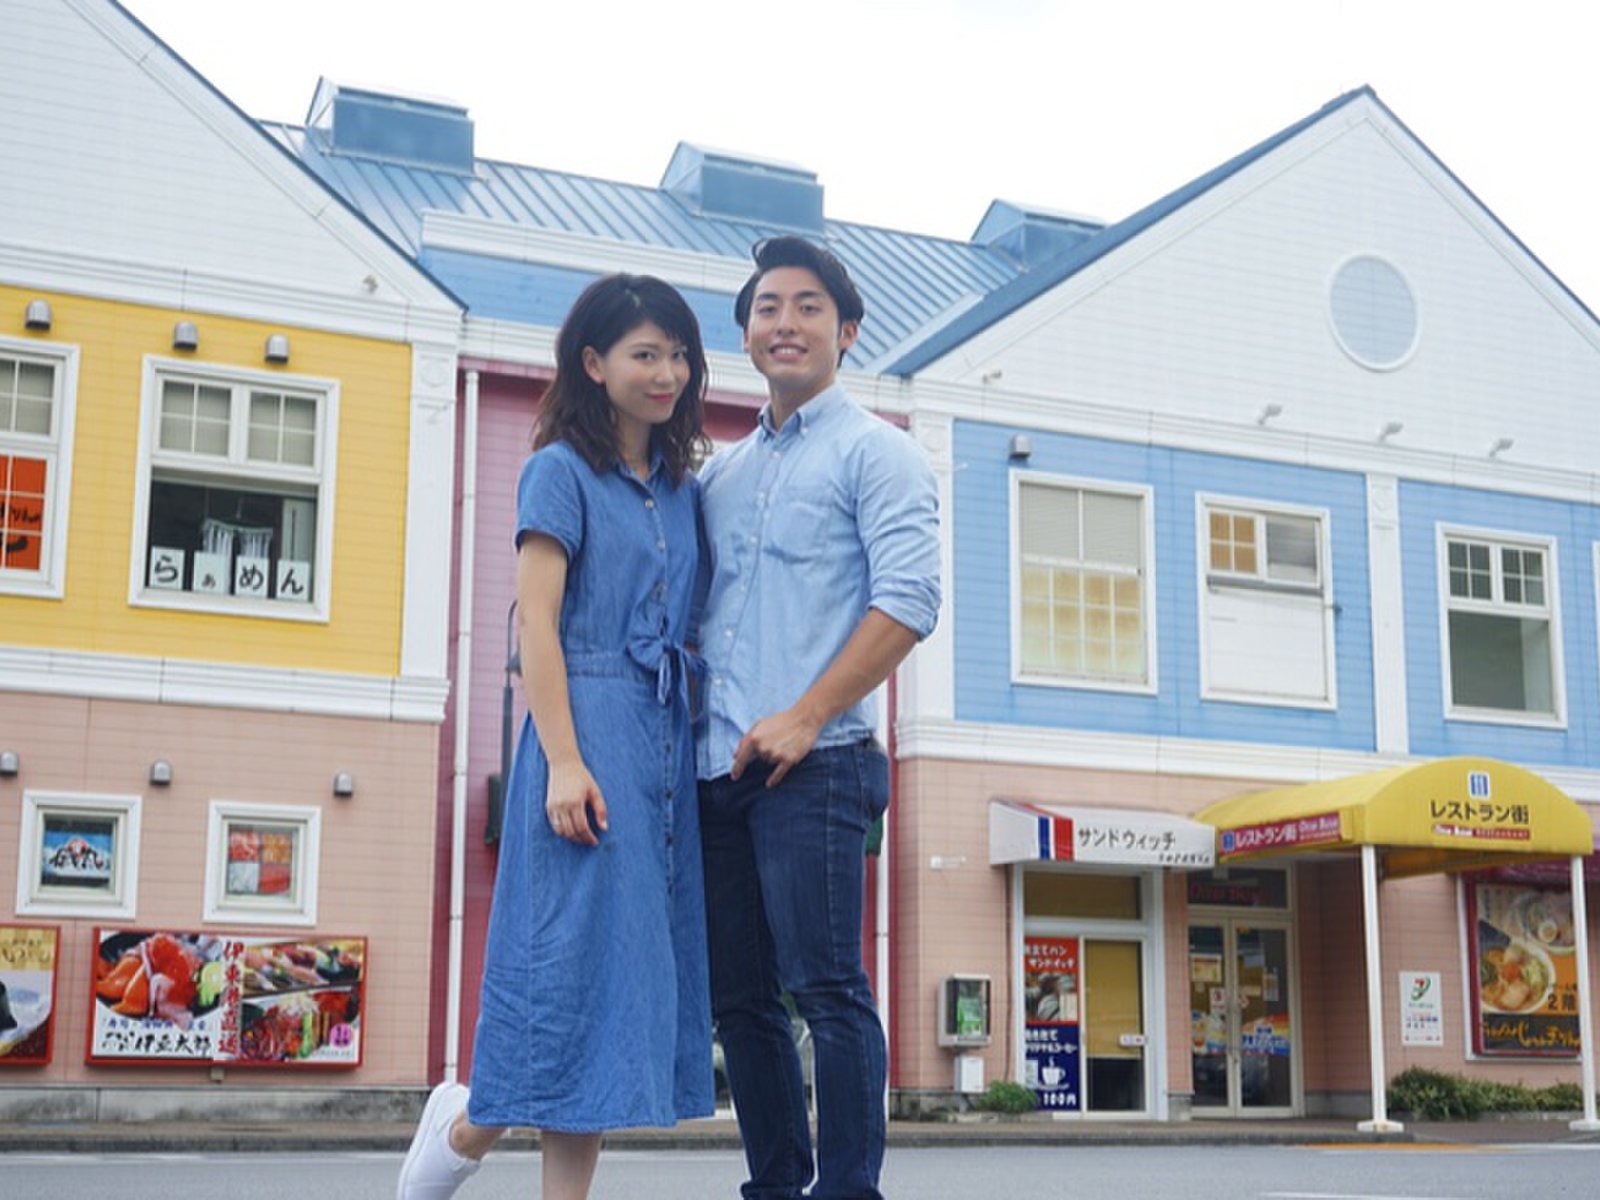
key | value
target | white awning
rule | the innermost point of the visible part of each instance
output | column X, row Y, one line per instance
column 1020, row 831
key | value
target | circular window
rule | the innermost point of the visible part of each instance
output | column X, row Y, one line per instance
column 1374, row 313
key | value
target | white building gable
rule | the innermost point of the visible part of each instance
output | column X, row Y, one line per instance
column 131, row 177
column 1223, row 308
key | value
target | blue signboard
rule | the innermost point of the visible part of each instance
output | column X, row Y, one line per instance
column 1054, row 1068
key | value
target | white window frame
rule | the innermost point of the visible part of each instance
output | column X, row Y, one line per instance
column 1498, row 539
column 299, row 908
column 50, row 580
column 1206, row 501
column 234, row 468
column 1146, row 495
column 35, row 899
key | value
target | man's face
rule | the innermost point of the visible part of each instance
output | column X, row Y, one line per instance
column 793, row 336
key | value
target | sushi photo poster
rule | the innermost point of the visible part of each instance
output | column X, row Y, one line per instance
column 163, row 996
column 27, row 993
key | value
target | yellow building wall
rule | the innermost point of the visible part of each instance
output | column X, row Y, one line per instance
column 362, row 635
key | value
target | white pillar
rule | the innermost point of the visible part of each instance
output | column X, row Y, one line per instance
column 463, row 746
column 1580, row 950
column 1380, row 1122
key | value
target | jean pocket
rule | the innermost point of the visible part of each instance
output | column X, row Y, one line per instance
column 872, row 770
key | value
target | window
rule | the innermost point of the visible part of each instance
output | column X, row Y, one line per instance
column 261, row 863
column 1265, row 607
column 1082, row 607
column 37, row 384
column 237, row 492
column 1502, row 649
column 79, row 855
column 1374, row 313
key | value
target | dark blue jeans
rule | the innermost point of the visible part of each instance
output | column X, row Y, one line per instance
column 785, row 872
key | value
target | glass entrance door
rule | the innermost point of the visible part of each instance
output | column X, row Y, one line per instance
column 1242, row 1040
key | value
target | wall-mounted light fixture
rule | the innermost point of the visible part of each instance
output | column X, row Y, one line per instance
column 160, row 772
column 1389, row 430
column 1501, row 445
column 37, row 315
column 993, row 376
column 1021, row 446
column 10, row 764
column 1268, row 411
column 185, row 336
column 344, row 784
column 277, row 348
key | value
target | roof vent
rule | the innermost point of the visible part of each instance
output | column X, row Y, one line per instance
column 716, row 184
column 1031, row 236
column 412, row 130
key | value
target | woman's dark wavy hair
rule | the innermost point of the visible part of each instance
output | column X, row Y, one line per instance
column 575, row 408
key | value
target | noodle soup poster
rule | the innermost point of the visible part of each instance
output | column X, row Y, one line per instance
column 1524, row 981
column 164, row 996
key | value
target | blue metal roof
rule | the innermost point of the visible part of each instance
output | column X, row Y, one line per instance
column 925, row 295
column 910, row 281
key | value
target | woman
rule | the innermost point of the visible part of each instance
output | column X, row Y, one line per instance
column 599, row 880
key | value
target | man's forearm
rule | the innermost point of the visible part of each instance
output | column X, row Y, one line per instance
column 878, row 645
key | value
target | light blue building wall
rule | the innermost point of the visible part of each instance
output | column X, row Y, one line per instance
column 1575, row 529
column 982, row 610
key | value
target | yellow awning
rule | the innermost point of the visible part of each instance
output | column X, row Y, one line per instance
column 1445, row 815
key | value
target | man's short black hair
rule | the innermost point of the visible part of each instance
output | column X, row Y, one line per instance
column 790, row 251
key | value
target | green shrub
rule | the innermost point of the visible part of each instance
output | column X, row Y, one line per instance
column 1559, row 1097
column 1441, row 1097
column 1431, row 1094
column 1006, row 1097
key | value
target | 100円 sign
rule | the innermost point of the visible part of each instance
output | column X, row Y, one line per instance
column 163, row 996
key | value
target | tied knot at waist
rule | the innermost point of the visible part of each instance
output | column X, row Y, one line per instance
column 674, row 665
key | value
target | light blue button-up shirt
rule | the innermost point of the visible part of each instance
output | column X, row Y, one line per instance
column 807, row 527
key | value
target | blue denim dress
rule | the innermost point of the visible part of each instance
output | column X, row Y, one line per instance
column 595, row 1012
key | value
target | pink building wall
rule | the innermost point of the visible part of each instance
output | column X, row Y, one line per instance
column 957, row 919
column 375, row 862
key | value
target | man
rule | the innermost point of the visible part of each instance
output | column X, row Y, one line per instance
column 822, row 530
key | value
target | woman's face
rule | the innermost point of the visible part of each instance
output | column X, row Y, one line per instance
column 643, row 373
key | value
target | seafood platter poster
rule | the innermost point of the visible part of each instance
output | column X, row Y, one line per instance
column 27, row 993
column 1525, row 993
column 162, row 996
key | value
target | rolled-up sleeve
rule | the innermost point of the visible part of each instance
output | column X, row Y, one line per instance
column 897, row 512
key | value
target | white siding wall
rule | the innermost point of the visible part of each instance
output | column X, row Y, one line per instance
column 1223, row 309
column 118, row 154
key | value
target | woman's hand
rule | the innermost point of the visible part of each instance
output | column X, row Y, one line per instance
column 569, row 798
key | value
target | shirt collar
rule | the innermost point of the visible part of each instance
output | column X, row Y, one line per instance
column 808, row 414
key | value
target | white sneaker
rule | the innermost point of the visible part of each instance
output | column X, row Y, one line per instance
column 432, row 1170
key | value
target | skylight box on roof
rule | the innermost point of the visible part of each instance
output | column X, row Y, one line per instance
column 1031, row 236
column 716, row 184
column 412, row 130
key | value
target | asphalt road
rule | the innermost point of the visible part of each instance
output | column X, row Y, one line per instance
column 1356, row 1172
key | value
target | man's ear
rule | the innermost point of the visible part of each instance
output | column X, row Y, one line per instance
column 847, row 334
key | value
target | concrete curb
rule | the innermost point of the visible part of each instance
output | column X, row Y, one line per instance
column 269, row 1137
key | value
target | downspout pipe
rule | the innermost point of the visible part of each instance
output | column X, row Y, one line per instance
column 1580, row 945
column 463, row 719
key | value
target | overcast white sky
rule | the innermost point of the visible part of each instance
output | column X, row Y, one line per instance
column 916, row 115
